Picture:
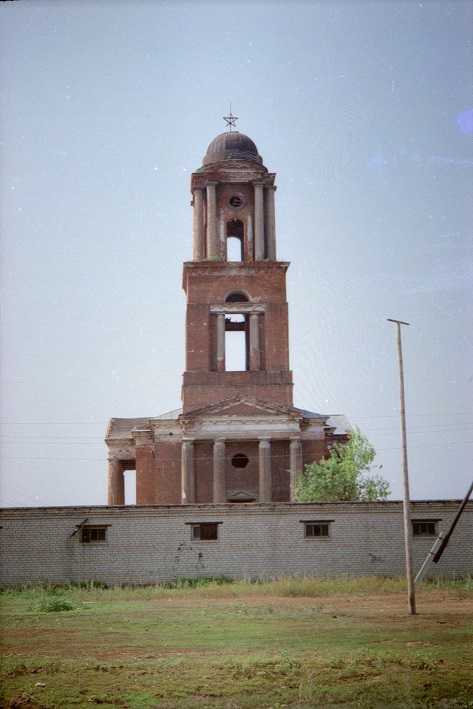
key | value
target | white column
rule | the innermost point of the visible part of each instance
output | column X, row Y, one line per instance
column 219, row 482
column 264, row 470
column 198, row 225
column 259, row 222
column 295, row 448
column 116, row 483
column 223, row 246
column 270, row 223
column 221, row 342
column 254, row 343
column 211, row 220
column 249, row 231
column 188, row 473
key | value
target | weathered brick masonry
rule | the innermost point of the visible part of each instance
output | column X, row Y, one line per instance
column 237, row 436
column 150, row 544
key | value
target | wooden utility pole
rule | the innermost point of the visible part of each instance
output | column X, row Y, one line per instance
column 405, row 480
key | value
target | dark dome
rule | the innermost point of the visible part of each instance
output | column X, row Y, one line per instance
column 232, row 146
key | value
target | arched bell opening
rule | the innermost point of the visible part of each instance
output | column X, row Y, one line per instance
column 236, row 342
column 237, row 296
column 235, row 240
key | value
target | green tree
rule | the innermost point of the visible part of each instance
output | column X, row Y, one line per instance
column 344, row 476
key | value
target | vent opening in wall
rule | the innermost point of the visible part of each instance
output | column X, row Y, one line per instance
column 236, row 201
column 240, row 460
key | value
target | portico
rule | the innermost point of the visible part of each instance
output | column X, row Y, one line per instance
column 252, row 428
column 262, row 484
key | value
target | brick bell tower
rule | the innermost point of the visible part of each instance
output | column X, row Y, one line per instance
column 235, row 284
column 238, row 437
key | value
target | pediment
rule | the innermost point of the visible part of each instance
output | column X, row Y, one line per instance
column 242, row 495
column 243, row 405
column 244, row 409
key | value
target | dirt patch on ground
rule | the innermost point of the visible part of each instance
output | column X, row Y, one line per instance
column 440, row 609
column 24, row 701
column 445, row 611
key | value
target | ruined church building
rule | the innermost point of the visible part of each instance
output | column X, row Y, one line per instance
column 215, row 479
column 238, row 436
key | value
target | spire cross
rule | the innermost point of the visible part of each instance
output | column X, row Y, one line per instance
column 230, row 119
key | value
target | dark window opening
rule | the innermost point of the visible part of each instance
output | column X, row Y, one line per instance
column 426, row 528
column 316, row 529
column 206, row 531
column 235, row 228
column 237, row 297
column 240, row 460
column 93, row 534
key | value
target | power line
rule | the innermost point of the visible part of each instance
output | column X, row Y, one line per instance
column 413, row 426
column 414, row 432
column 53, row 440
column 210, row 459
column 16, row 435
column 70, row 460
column 45, row 443
column 21, row 494
column 391, row 416
column 104, row 423
column 61, row 423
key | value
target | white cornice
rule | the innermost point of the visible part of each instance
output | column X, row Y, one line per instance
column 238, row 308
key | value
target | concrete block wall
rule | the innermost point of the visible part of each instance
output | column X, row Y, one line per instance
column 151, row 544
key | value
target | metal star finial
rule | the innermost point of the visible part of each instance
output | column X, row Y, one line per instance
column 230, row 119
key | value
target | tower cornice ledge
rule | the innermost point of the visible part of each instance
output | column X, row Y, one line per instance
column 229, row 268
column 232, row 171
column 215, row 264
column 225, row 268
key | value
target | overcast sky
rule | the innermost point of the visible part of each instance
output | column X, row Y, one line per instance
column 365, row 112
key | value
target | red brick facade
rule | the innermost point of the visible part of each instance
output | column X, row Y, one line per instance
column 238, row 436
column 207, row 286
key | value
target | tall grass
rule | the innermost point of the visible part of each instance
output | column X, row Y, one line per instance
column 286, row 587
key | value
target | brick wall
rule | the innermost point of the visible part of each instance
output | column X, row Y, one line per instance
column 168, row 473
column 208, row 283
column 203, row 471
column 152, row 544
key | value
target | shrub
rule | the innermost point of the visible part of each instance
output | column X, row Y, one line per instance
column 54, row 604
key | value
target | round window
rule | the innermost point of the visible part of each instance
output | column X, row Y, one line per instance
column 240, row 460
column 236, row 201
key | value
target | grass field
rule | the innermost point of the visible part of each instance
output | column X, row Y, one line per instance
column 287, row 643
